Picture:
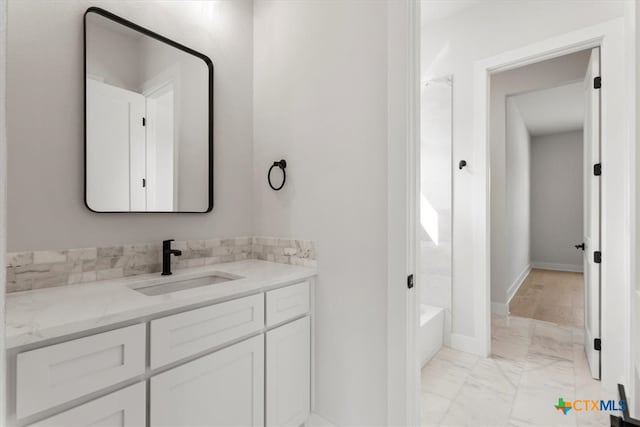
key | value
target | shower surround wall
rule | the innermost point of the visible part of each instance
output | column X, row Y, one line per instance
column 435, row 234
column 44, row 269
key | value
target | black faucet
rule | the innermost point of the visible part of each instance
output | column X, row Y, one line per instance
column 166, row 256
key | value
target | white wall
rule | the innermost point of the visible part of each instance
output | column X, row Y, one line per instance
column 320, row 103
column 114, row 57
column 556, row 200
column 45, row 110
column 510, row 242
column 451, row 46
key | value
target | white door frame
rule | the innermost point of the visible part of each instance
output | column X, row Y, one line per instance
column 3, row 198
column 617, row 186
column 633, row 54
column 403, row 154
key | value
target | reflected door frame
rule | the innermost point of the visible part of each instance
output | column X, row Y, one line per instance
column 155, row 87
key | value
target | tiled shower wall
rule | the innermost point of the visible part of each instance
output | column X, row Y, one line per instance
column 43, row 269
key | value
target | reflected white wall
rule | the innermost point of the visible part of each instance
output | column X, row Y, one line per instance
column 435, row 195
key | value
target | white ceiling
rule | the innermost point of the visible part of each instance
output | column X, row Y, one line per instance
column 555, row 110
column 434, row 10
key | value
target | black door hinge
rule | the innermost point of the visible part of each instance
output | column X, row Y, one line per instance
column 410, row 281
column 144, row 182
column 597, row 82
column 597, row 169
column 597, row 257
column 597, row 344
column 144, row 121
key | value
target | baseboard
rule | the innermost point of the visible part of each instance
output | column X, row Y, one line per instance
column 447, row 328
column 502, row 309
column 499, row 308
column 517, row 283
column 558, row 267
column 467, row 344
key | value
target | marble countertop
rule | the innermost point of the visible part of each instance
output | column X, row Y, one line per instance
column 43, row 314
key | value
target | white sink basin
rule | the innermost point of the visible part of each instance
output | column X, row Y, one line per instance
column 168, row 286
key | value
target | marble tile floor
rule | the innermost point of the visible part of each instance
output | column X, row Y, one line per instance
column 533, row 364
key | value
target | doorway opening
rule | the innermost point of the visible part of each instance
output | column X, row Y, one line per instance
column 454, row 368
column 544, row 142
column 545, row 195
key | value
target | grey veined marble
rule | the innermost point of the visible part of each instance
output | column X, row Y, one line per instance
column 43, row 269
column 532, row 364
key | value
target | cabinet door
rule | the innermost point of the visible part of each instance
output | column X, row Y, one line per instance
column 225, row 388
column 123, row 408
column 288, row 374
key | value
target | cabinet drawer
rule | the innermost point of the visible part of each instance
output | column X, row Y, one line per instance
column 286, row 303
column 123, row 408
column 185, row 334
column 52, row 375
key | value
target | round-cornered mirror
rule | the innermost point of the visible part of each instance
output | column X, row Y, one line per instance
column 148, row 120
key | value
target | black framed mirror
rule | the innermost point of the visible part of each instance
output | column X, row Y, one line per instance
column 148, row 120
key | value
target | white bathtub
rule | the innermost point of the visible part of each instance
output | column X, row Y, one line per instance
column 431, row 332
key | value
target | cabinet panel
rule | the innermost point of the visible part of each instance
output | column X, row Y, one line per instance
column 185, row 334
column 225, row 388
column 288, row 376
column 286, row 303
column 53, row 375
column 123, row 408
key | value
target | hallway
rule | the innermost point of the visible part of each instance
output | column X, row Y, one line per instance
column 533, row 364
column 552, row 296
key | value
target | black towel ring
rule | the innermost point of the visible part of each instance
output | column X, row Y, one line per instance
column 282, row 164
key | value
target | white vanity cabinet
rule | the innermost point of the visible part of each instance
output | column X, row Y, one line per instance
column 123, row 408
column 288, row 353
column 196, row 331
column 56, row 374
column 225, row 388
column 287, row 303
column 240, row 362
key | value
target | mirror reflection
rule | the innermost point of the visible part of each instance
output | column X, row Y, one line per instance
column 148, row 121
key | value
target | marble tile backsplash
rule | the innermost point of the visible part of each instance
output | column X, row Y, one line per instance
column 44, row 269
column 285, row 251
